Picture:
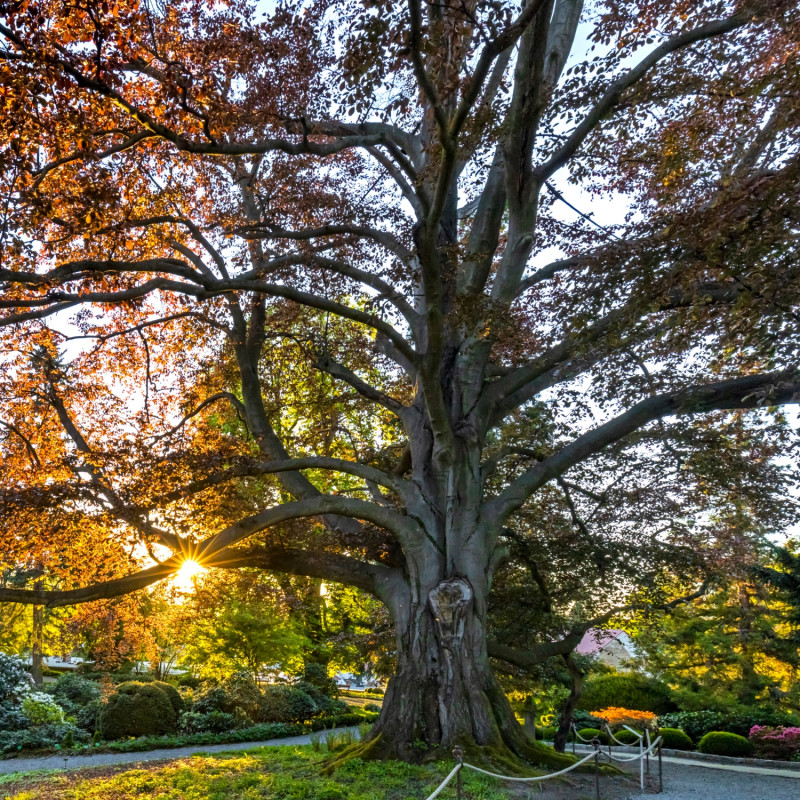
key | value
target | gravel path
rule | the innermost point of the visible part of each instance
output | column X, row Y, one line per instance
column 105, row 759
column 684, row 781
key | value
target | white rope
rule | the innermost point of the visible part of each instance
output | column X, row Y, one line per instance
column 536, row 778
column 638, row 735
column 575, row 731
column 444, row 783
column 635, row 758
column 608, row 730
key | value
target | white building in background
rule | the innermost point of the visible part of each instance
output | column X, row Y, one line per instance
column 357, row 683
column 612, row 647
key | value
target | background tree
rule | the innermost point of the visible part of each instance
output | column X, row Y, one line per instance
column 197, row 191
column 241, row 623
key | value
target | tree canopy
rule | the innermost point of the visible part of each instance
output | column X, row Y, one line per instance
column 314, row 290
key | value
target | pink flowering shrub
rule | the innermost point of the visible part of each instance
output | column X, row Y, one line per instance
column 781, row 744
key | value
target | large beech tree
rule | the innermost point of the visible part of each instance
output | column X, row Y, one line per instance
column 325, row 276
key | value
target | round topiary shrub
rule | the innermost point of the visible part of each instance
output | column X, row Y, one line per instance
column 137, row 709
column 626, row 737
column 281, row 703
column 676, row 739
column 626, row 690
column 718, row 743
column 592, row 733
column 214, row 698
column 175, row 699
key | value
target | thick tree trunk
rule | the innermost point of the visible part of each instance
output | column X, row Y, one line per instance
column 37, row 635
column 444, row 693
column 576, row 689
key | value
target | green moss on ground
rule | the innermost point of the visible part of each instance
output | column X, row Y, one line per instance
column 286, row 773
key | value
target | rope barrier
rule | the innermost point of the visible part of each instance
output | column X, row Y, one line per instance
column 535, row 778
column 595, row 754
column 636, row 758
column 638, row 735
column 445, row 781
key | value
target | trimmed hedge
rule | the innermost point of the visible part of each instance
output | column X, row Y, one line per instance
column 626, row 690
column 212, row 722
column 137, row 709
column 175, row 699
column 719, row 743
column 676, row 739
column 698, row 723
column 253, row 733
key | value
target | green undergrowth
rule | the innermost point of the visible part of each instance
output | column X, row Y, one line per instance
column 538, row 759
column 253, row 733
column 286, row 773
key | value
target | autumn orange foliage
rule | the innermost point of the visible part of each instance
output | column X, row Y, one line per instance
column 616, row 717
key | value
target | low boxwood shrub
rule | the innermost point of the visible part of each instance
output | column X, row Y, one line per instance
column 626, row 690
column 137, row 709
column 720, row 743
column 175, row 699
column 213, row 721
column 626, row 737
column 592, row 733
column 675, row 739
column 698, row 723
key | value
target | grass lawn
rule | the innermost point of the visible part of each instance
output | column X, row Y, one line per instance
column 359, row 701
column 278, row 773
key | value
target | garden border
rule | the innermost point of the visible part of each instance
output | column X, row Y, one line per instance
column 694, row 755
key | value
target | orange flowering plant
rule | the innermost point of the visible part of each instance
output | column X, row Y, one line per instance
column 617, row 717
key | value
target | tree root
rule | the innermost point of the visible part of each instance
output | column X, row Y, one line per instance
column 495, row 758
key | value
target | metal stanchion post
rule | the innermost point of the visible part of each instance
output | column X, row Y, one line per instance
column 459, row 756
column 596, row 745
column 641, row 774
column 660, row 769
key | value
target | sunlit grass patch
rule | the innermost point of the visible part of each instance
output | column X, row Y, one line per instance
column 286, row 773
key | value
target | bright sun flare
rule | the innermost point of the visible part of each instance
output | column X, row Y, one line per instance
column 184, row 577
